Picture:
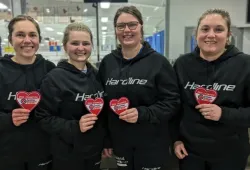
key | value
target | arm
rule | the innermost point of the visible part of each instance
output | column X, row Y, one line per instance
column 47, row 110
column 238, row 116
column 168, row 97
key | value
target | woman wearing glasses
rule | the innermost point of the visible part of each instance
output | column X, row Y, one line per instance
column 136, row 76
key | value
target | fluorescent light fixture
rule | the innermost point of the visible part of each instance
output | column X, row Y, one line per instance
column 41, row 45
column 104, row 28
column 85, row 10
column 59, row 33
column 156, row 8
column 3, row 43
column 105, row 5
column 2, row 6
column 47, row 10
column 104, row 33
column 104, row 19
column 5, row 39
column 49, row 29
column 52, row 38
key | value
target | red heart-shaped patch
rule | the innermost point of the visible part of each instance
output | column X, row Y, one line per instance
column 120, row 105
column 28, row 100
column 94, row 106
column 205, row 96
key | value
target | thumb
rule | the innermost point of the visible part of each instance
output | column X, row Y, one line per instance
column 184, row 151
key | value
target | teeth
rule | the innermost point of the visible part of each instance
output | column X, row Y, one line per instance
column 209, row 42
column 27, row 47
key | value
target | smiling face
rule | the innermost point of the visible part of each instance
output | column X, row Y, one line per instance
column 128, row 30
column 78, row 46
column 212, row 34
column 25, row 39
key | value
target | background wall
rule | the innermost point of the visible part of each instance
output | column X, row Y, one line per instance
column 185, row 13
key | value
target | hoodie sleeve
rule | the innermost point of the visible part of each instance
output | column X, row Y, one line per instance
column 6, row 121
column 168, row 97
column 107, row 140
column 238, row 116
column 46, row 113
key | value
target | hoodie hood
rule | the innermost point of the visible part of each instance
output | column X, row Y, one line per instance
column 144, row 52
column 67, row 66
column 231, row 51
column 7, row 58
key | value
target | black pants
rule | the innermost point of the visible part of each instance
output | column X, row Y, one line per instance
column 236, row 162
column 76, row 164
column 33, row 165
column 141, row 158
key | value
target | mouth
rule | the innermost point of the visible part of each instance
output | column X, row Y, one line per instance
column 210, row 42
column 80, row 54
column 27, row 47
column 128, row 37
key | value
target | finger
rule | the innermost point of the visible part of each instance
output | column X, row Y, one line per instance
column 90, row 123
column 179, row 154
column 132, row 110
column 209, row 117
column 89, row 115
column 131, row 115
column 201, row 106
column 184, row 151
column 87, row 128
column 84, row 120
column 205, row 110
column 20, row 121
column 20, row 114
column 123, row 113
column 20, row 118
column 21, row 110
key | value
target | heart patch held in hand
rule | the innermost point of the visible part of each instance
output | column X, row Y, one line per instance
column 205, row 96
column 120, row 105
column 94, row 105
column 28, row 100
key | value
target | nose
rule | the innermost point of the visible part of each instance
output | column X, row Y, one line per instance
column 126, row 28
column 27, row 39
column 211, row 33
column 80, row 47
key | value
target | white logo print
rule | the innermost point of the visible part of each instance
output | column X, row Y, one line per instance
column 215, row 86
column 84, row 96
column 130, row 80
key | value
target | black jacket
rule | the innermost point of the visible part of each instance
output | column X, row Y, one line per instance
column 28, row 141
column 229, row 75
column 64, row 91
column 149, row 82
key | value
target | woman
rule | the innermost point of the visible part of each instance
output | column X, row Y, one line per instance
column 23, row 144
column 138, row 77
column 76, row 132
column 215, row 99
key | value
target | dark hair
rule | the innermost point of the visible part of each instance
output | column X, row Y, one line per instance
column 225, row 15
column 76, row 27
column 133, row 11
column 22, row 18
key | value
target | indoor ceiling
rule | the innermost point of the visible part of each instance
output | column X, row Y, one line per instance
column 53, row 16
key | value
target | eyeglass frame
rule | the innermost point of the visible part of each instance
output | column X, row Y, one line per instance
column 126, row 25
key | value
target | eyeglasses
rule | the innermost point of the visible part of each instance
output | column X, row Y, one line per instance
column 131, row 25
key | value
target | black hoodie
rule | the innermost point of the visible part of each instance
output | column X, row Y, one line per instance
column 149, row 82
column 26, row 142
column 64, row 91
column 229, row 75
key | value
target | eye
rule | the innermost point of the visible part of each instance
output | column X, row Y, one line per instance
column 75, row 43
column 85, row 43
column 205, row 29
column 20, row 35
column 219, row 29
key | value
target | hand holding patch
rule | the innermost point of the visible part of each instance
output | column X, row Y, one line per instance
column 210, row 111
column 130, row 115
column 120, row 105
column 94, row 106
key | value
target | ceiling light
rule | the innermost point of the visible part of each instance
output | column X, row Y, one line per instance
column 104, row 28
column 49, row 29
column 104, row 33
column 105, row 5
column 59, row 33
column 2, row 6
column 85, row 10
column 104, row 19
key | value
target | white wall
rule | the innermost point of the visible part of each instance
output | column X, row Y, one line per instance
column 186, row 13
